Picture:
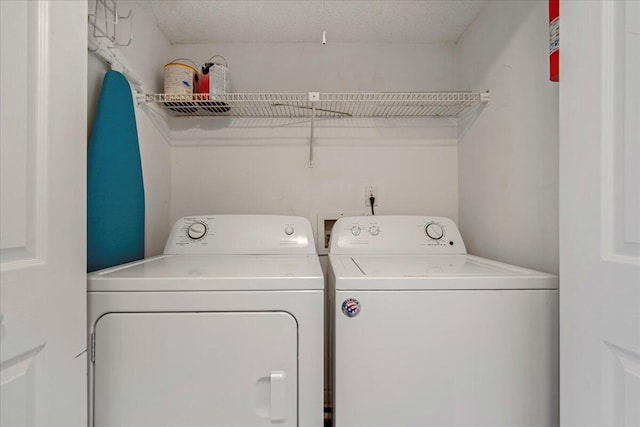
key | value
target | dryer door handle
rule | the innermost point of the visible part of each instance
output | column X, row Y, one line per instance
column 278, row 396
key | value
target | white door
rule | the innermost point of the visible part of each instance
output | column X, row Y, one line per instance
column 195, row 369
column 42, row 235
column 600, row 213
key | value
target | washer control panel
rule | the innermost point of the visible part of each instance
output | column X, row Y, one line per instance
column 240, row 234
column 434, row 231
column 396, row 235
column 197, row 230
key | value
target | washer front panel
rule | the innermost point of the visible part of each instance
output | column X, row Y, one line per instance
column 446, row 358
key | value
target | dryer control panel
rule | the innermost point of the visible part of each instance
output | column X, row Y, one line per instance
column 240, row 234
column 382, row 234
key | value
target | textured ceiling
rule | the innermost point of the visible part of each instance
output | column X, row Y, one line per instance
column 302, row 21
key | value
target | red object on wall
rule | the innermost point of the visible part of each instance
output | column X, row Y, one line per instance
column 554, row 40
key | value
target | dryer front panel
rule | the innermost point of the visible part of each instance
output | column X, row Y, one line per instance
column 195, row 369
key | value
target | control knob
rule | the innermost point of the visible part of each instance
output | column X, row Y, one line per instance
column 197, row 231
column 374, row 230
column 355, row 230
column 434, row 231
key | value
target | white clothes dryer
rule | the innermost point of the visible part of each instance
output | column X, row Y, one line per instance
column 224, row 329
column 426, row 335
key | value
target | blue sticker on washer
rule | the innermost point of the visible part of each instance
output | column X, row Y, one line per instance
column 351, row 307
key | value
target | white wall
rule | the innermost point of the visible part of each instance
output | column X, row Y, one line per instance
column 508, row 155
column 355, row 67
column 145, row 56
column 265, row 171
column 276, row 180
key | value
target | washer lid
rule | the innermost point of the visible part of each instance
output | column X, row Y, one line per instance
column 424, row 266
column 395, row 272
column 212, row 272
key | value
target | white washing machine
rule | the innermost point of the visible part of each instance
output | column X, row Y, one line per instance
column 426, row 335
column 224, row 329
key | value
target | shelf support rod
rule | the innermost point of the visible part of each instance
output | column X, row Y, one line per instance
column 313, row 119
column 313, row 98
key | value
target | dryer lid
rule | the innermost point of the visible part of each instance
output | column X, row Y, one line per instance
column 212, row 272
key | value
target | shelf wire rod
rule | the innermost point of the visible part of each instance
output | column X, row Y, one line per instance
column 400, row 107
column 252, row 107
column 450, row 110
column 397, row 109
column 260, row 107
column 247, row 106
column 360, row 107
column 368, row 107
column 410, row 110
column 320, row 111
column 385, row 108
column 376, row 106
column 333, row 105
column 396, row 105
column 263, row 106
column 237, row 106
column 270, row 107
column 255, row 106
column 420, row 107
column 404, row 105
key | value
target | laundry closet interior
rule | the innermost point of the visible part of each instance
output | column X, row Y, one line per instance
column 492, row 167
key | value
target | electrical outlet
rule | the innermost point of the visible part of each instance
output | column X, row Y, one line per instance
column 371, row 190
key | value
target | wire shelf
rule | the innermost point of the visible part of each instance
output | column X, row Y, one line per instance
column 409, row 104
